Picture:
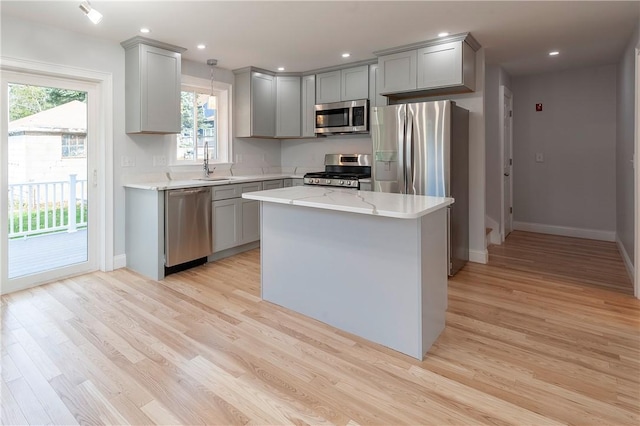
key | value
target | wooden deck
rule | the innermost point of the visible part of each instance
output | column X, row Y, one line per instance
column 201, row 347
column 41, row 253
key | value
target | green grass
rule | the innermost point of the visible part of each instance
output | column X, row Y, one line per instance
column 38, row 220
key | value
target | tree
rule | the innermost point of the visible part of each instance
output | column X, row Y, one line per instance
column 27, row 100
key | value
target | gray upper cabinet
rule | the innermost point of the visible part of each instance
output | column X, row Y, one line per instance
column 448, row 64
column 308, row 106
column 254, row 103
column 288, row 106
column 354, row 83
column 343, row 85
column 328, row 87
column 398, row 72
column 432, row 67
column 152, row 86
column 375, row 99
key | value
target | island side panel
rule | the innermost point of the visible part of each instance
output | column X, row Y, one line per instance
column 434, row 276
column 144, row 245
column 359, row 273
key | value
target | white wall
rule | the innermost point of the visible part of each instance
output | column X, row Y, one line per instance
column 625, row 194
column 308, row 154
column 576, row 132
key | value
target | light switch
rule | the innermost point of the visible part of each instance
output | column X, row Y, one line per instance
column 539, row 157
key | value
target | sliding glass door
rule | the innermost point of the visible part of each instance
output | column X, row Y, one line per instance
column 49, row 178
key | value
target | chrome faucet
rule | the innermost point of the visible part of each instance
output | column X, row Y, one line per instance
column 205, row 165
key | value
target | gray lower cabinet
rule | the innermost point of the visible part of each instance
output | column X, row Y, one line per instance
column 272, row 184
column 236, row 221
column 226, row 227
column 293, row 182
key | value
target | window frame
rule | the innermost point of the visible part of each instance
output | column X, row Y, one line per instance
column 223, row 116
column 75, row 137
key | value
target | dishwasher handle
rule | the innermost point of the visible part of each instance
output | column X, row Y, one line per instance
column 182, row 192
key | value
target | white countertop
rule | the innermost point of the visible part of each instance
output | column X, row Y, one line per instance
column 348, row 200
column 193, row 183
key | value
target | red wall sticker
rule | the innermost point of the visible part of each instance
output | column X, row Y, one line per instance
column 538, row 107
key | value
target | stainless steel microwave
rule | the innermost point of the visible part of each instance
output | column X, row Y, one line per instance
column 343, row 117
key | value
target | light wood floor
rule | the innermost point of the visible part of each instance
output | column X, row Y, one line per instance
column 201, row 347
column 585, row 262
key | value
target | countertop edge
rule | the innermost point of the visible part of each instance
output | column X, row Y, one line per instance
column 194, row 183
column 350, row 209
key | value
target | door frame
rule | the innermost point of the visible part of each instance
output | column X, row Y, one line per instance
column 103, row 148
column 504, row 90
column 636, row 174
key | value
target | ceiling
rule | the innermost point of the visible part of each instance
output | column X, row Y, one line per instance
column 308, row 35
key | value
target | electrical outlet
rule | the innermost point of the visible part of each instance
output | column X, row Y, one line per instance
column 126, row 161
column 159, row 160
column 539, row 157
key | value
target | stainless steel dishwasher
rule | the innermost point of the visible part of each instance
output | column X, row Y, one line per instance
column 187, row 225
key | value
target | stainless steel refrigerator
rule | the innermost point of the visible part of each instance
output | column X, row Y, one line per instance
column 423, row 149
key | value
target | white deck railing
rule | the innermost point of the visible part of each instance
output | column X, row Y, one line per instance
column 39, row 207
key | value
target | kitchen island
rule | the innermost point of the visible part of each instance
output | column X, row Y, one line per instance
column 369, row 263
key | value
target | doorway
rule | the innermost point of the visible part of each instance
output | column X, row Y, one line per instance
column 50, row 168
column 506, row 149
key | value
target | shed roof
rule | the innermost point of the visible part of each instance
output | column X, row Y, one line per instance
column 66, row 118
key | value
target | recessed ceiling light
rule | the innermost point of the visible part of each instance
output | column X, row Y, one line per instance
column 554, row 53
column 201, row 46
column 443, row 34
column 280, row 68
column 145, row 30
column 346, row 55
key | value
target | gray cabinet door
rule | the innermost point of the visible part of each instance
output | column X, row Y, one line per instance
column 250, row 218
column 355, row 83
column 375, row 99
column 328, row 86
column 226, row 224
column 440, row 66
column 398, row 72
column 263, row 105
column 288, row 106
column 297, row 182
column 152, row 92
column 273, row 184
column 308, row 106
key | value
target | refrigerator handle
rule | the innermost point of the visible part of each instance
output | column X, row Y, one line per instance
column 402, row 173
column 409, row 155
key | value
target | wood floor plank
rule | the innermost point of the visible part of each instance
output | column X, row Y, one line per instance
column 526, row 342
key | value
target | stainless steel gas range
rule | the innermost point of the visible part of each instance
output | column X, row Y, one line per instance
column 342, row 170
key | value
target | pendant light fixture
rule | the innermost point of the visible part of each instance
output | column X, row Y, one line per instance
column 213, row 102
column 93, row 15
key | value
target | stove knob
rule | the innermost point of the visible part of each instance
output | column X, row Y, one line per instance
column 348, row 183
column 341, row 182
column 317, row 181
column 327, row 181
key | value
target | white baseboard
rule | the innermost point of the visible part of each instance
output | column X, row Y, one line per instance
column 566, row 231
column 479, row 256
column 120, row 261
column 627, row 260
